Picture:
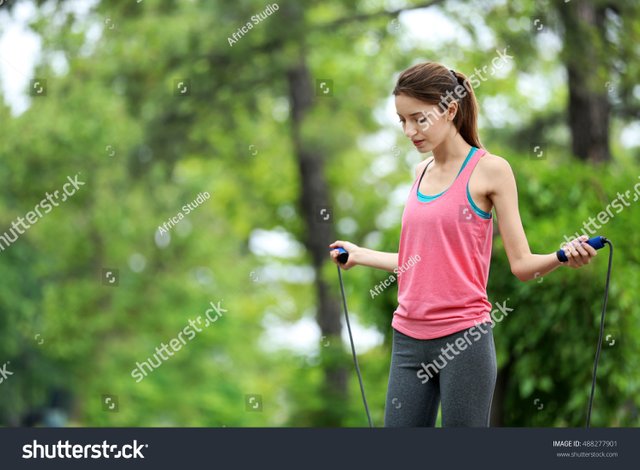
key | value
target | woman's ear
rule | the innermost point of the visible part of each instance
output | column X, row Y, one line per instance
column 452, row 110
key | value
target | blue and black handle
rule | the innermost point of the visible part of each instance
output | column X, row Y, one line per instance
column 596, row 242
column 343, row 255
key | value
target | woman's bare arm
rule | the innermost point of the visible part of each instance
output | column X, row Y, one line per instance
column 364, row 257
column 524, row 264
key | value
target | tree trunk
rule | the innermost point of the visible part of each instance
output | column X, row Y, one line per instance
column 584, row 57
column 314, row 197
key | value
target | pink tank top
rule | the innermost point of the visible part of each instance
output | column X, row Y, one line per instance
column 443, row 262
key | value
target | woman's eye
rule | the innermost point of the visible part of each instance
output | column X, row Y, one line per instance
column 422, row 120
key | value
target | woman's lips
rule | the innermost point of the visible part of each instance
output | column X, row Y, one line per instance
column 417, row 143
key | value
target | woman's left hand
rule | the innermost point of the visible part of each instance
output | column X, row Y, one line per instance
column 579, row 252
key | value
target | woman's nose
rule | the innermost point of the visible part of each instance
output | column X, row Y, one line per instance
column 410, row 130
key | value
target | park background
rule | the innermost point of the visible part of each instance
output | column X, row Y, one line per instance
column 290, row 129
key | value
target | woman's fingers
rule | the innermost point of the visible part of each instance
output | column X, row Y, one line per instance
column 338, row 244
column 334, row 250
column 591, row 250
column 570, row 251
column 579, row 252
column 348, row 246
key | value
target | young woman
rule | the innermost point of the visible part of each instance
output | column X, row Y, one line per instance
column 443, row 350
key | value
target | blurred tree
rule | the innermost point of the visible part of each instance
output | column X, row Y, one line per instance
column 597, row 55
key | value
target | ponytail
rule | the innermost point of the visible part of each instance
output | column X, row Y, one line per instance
column 466, row 120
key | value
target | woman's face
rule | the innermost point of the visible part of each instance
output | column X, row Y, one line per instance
column 425, row 124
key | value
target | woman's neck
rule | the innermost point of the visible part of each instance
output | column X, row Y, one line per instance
column 450, row 151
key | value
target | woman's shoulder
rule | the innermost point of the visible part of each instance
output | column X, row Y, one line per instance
column 493, row 164
column 494, row 171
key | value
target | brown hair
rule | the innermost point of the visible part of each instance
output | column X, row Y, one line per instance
column 433, row 83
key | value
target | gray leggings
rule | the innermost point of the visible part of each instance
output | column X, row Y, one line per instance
column 426, row 372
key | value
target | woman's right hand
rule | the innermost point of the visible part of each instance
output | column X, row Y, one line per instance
column 351, row 248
